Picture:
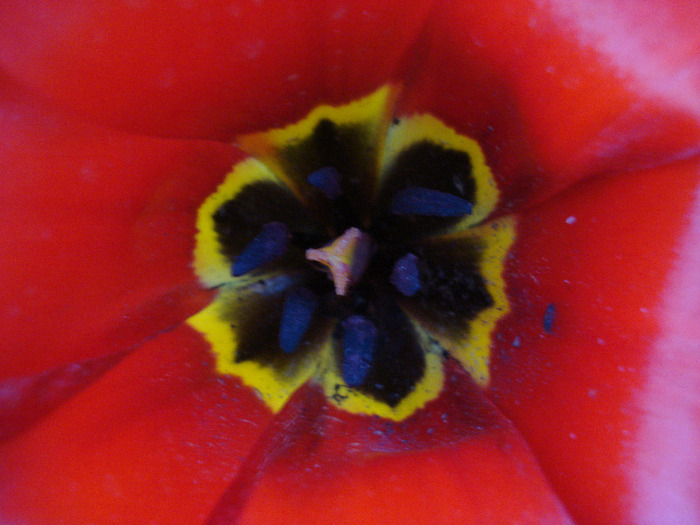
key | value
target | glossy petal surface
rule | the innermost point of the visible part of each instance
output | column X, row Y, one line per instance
column 201, row 64
column 580, row 395
column 321, row 465
column 565, row 90
column 25, row 400
column 156, row 440
column 98, row 233
column 596, row 365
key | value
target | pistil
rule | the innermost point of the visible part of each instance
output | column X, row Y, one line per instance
column 346, row 258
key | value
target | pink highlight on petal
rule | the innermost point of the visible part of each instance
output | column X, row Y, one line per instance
column 665, row 463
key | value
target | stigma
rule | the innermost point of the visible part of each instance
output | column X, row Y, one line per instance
column 346, row 258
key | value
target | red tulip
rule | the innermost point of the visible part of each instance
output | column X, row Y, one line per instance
column 117, row 123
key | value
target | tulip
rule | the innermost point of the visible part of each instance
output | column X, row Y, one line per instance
column 120, row 121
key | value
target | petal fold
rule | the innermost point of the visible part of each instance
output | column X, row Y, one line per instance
column 98, row 235
column 155, row 440
column 456, row 461
column 25, row 400
column 555, row 92
column 578, row 358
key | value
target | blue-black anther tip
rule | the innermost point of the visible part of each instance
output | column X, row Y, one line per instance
column 405, row 276
column 548, row 320
column 269, row 244
column 359, row 338
column 297, row 314
column 327, row 180
column 425, row 201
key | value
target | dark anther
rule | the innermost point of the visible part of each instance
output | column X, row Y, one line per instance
column 297, row 313
column 424, row 201
column 267, row 245
column 327, row 180
column 404, row 275
column 359, row 336
column 548, row 320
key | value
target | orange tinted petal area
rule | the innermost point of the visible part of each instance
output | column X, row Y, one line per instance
column 457, row 461
column 155, row 440
column 602, row 254
column 550, row 100
column 204, row 68
column 98, row 232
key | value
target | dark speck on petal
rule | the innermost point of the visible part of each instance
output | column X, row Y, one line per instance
column 548, row 320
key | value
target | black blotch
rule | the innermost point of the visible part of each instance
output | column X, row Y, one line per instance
column 350, row 150
column 398, row 362
column 549, row 316
column 255, row 318
column 452, row 289
column 425, row 165
column 240, row 219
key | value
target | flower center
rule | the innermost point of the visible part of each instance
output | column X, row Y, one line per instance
column 395, row 217
column 347, row 257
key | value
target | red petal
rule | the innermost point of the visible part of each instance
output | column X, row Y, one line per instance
column 156, row 440
column 558, row 91
column 98, row 233
column 457, row 461
column 204, row 68
column 25, row 400
column 592, row 396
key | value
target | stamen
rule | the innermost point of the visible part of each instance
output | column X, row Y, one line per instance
column 347, row 258
column 359, row 336
column 327, row 180
column 405, row 276
column 270, row 243
column 297, row 313
column 424, row 201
